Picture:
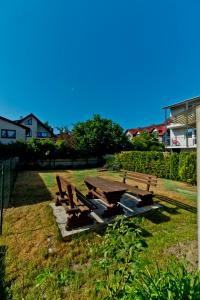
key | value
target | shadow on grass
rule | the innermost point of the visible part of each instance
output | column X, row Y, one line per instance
column 156, row 217
column 178, row 204
column 29, row 189
column 3, row 287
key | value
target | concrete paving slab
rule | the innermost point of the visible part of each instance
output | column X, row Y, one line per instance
column 128, row 204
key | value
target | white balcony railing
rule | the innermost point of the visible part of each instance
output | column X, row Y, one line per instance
column 181, row 142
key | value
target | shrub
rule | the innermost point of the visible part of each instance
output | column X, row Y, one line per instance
column 173, row 284
column 187, row 167
column 124, row 275
column 112, row 163
column 164, row 165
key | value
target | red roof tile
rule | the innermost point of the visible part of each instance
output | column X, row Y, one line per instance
column 161, row 129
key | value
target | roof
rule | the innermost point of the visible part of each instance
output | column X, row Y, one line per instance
column 132, row 131
column 182, row 102
column 14, row 123
column 161, row 128
column 33, row 116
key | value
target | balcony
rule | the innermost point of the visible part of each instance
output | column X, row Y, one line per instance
column 181, row 143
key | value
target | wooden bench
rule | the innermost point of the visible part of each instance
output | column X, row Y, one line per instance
column 77, row 207
column 145, row 195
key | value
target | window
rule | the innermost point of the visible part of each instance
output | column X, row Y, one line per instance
column 28, row 122
column 29, row 133
column 190, row 132
column 43, row 134
column 190, row 105
column 8, row 134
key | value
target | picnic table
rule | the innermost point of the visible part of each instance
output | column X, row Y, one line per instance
column 108, row 191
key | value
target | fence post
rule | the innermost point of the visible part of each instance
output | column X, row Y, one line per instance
column 198, row 179
column 2, row 196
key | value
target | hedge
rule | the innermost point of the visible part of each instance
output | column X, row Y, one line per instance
column 38, row 149
column 173, row 166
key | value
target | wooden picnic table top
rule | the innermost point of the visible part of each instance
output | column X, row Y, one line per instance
column 105, row 185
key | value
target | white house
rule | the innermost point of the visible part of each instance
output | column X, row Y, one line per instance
column 37, row 129
column 11, row 132
column 181, row 136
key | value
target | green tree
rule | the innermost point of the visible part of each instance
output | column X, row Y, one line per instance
column 48, row 125
column 99, row 136
column 146, row 142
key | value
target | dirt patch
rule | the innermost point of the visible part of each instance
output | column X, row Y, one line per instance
column 186, row 250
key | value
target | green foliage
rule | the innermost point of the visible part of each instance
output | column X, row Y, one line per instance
column 112, row 162
column 122, row 241
column 146, row 142
column 174, row 166
column 187, row 167
column 61, row 278
column 99, row 136
column 95, row 137
column 38, row 149
column 125, row 276
column 174, row 284
column 164, row 165
column 119, row 255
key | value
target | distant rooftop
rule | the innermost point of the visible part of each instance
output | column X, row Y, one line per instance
column 161, row 128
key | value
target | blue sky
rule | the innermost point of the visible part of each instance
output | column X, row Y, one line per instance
column 66, row 60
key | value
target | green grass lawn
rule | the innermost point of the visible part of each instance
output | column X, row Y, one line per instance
column 69, row 271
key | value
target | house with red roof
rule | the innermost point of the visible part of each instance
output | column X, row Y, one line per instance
column 159, row 130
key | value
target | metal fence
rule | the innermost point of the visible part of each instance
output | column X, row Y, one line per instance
column 8, row 173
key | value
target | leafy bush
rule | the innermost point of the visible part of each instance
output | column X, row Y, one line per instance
column 146, row 142
column 187, row 167
column 164, row 165
column 175, row 283
column 112, row 163
column 124, row 275
column 119, row 255
column 122, row 241
column 38, row 149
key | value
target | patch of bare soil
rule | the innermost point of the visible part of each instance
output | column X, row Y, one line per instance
column 187, row 251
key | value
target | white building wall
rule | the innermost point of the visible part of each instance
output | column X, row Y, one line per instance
column 33, row 127
column 178, row 137
column 178, row 131
column 20, row 132
column 43, row 129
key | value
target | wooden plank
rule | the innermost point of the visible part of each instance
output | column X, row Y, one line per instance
column 85, row 201
column 137, row 191
column 149, row 180
column 61, row 192
column 144, row 180
column 99, row 195
column 139, row 180
column 104, row 184
column 140, row 174
column 142, row 177
column 150, row 175
column 96, row 218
